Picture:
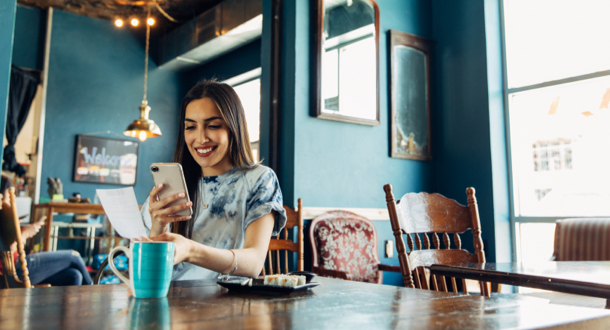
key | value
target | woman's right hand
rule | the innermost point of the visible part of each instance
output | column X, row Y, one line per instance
column 161, row 214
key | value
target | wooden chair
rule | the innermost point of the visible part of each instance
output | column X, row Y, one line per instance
column 344, row 245
column 421, row 216
column 282, row 242
column 10, row 231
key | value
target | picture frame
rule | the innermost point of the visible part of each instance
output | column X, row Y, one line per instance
column 105, row 160
column 410, row 96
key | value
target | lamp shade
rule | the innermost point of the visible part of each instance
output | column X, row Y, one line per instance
column 143, row 128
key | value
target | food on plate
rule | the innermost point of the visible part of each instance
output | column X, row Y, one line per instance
column 289, row 281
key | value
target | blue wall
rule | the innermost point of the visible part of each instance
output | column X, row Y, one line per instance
column 30, row 30
column 96, row 76
column 343, row 164
column 468, row 115
column 7, row 26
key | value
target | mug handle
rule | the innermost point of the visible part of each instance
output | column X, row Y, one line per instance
column 113, row 267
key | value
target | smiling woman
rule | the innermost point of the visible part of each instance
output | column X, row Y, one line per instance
column 237, row 203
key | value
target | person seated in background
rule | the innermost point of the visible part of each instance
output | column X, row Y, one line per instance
column 57, row 268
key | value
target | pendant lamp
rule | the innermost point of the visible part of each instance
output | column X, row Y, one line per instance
column 143, row 127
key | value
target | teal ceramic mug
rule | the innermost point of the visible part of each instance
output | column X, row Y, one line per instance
column 150, row 267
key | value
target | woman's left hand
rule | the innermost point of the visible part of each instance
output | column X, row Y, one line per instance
column 182, row 245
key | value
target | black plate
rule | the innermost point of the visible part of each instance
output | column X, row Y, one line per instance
column 258, row 287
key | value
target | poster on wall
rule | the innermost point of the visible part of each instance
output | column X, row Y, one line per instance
column 105, row 160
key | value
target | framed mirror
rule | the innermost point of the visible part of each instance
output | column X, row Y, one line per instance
column 346, row 61
column 410, row 96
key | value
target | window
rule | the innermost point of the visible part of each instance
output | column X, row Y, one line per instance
column 248, row 88
column 558, row 95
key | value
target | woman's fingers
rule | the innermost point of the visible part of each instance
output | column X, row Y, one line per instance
column 155, row 191
column 160, row 204
column 160, row 210
column 168, row 211
column 167, row 219
column 170, row 199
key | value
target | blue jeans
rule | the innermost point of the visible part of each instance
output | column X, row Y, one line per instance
column 58, row 268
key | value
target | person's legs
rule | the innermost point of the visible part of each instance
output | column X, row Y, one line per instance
column 43, row 265
column 69, row 276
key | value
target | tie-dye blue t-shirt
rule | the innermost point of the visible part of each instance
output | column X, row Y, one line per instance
column 235, row 200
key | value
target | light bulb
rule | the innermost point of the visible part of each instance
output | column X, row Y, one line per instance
column 118, row 22
column 142, row 136
column 134, row 22
column 150, row 21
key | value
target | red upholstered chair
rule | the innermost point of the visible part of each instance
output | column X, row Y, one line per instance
column 584, row 239
column 344, row 245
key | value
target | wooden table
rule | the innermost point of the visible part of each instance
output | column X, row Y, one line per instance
column 334, row 304
column 587, row 278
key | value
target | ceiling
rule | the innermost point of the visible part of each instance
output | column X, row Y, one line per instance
column 181, row 10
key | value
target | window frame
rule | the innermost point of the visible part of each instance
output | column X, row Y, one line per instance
column 515, row 217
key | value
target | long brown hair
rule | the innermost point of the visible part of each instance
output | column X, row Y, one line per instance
column 240, row 152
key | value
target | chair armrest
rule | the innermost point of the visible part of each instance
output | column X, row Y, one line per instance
column 389, row 268
column 331, row 273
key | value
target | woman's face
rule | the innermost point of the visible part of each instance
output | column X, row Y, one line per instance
column 207, row 137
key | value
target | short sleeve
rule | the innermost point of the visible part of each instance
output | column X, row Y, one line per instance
column 266, row 196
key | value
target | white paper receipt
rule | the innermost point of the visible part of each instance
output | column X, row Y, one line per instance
column 122, row 210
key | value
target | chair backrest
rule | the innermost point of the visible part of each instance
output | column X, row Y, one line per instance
column 585, row 239
column 283, row 243
column 346, row 242
column 422, row 218
column 10, row 232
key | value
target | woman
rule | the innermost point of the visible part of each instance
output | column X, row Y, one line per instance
column 237, row 203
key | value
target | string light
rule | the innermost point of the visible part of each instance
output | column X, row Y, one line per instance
column 149, row 20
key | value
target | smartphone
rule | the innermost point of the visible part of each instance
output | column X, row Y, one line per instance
column 172, row 178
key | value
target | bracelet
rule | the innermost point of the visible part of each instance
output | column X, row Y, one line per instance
column 234, row 259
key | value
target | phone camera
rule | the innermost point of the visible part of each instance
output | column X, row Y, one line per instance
column 154, row 169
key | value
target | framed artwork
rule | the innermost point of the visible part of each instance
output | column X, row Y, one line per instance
column 410, row 96
column 105, row 160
